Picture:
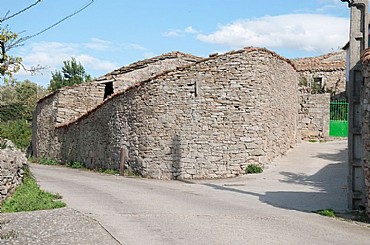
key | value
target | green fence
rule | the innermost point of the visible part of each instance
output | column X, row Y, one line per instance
column 338, row 119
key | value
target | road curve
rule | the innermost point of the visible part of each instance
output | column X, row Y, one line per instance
column 270, row 208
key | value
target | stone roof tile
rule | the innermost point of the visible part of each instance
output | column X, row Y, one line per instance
column 328, row 62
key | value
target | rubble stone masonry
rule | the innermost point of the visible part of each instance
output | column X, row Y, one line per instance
column 177, row 116
column 12, row 161
column 314, row 116
column 206, row 120
column 365, row 110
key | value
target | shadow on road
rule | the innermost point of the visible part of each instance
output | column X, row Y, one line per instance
column 324, row 189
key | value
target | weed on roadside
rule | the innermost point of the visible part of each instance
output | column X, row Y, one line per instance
column 110, row 171
column 326, row 212
column 253, row 169
column 48, row 161
column 75, row 165
column 29, row 197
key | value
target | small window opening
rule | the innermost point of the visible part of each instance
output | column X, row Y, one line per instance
column 108, row 89
column 317, row 86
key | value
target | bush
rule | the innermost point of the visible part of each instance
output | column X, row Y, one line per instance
column 18, row 131
column 253, row 169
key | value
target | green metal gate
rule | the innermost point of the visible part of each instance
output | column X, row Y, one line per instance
column 338, row 119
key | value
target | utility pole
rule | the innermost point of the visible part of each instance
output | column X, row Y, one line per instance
column 359, row 29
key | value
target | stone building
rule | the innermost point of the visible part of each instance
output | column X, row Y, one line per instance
column 325, row 73
column 364, row 146
column 181, row 116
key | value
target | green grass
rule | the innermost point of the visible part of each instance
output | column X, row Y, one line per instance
column 313, row 140
column 76, row 165
column 110, row 171
column 29, row 197
column 47, row 161
column 326, row 212
column 253, row 169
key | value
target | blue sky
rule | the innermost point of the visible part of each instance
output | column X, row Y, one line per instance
column 113, row 33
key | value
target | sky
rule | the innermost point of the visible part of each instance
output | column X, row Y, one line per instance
column 113, row 33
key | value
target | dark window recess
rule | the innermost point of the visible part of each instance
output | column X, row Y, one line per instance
column 108, row 89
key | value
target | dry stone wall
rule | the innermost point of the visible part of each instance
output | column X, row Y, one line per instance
column 330, row 68
column 207, row 120
column 43, row 126
column 314, row 116
column 12, row 161
column 365, row 111
column 76, row 100
column 70, row 103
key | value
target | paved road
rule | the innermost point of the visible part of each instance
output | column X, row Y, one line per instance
column 270, row 208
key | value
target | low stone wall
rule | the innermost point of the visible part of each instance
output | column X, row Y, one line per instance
column 207, row 120
column 314, row 116
column 11, row 168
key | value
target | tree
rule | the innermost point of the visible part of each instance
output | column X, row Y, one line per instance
column 17, row 103
column 8, row 64
column 71, row 73
column 9, row 40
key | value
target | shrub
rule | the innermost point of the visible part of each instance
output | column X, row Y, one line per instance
column 18, row 131
column 253, row 169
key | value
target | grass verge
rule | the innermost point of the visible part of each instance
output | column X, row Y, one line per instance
column 29, row 197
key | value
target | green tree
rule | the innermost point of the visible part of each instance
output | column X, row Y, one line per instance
column 17, row 103
column 71, row 73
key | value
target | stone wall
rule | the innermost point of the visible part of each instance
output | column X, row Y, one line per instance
column 334, row 81
column 11, row 168
column 76, row 100
column 314, row 116
column 43, row 126
column 70, row 103
column 365, row 111
column 206, row 120
column 330, row 68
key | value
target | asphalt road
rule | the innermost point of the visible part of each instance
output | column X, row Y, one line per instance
column 274, row 207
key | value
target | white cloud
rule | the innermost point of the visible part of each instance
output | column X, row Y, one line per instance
column 135, row 46
column 98, row 44
column 52, row 55
column 180, row 32
column 96, row 64
column 305, row 32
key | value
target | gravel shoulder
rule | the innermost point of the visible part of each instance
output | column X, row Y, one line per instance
column 58, row 226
